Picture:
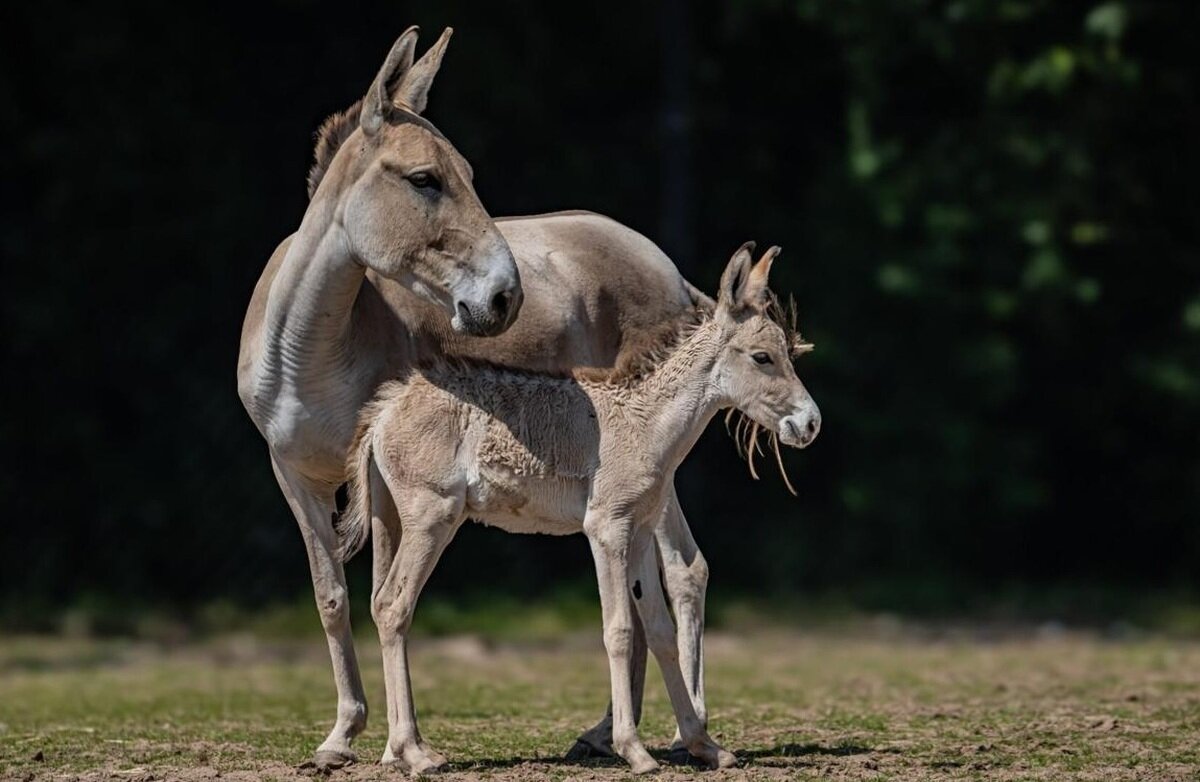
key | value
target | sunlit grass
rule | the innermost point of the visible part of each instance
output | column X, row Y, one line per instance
column 791, row 706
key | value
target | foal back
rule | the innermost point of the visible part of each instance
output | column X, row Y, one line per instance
column 516, row 450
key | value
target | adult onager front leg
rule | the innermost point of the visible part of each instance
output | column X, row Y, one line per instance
column 313, row 505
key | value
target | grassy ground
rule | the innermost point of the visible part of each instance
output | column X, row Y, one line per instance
column 824, row 706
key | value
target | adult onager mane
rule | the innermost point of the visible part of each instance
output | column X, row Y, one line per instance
column 330, row 136
column 542, row 452
column 396, row 261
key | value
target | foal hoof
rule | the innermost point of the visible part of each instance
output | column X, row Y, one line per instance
column 582, row 750
column 646, row 765
column 326, row 760
column 726, row 759
column 415, row 759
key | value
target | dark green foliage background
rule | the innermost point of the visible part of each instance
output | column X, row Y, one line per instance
column 988, row 211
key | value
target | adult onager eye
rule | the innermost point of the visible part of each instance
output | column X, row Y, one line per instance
column 423, row 180
column 762, row 358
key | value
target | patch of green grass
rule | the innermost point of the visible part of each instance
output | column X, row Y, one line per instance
column 792, row 707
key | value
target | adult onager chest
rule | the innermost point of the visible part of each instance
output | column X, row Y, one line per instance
column 591, row 452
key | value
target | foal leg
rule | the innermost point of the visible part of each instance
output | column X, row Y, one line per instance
column 597, row 740
column 660, row 635
column 609, row 539
column 685, row 573
column 313, row 507
column 427, row 522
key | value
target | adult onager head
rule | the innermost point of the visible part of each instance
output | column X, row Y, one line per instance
column 590, row 452
column 406, row 202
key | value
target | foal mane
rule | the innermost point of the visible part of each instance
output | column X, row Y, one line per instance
column 644, row 351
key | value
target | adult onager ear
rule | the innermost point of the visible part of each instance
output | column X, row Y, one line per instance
column 744, row 285
column 379, row 96
column 413, row 93
column 402, row 83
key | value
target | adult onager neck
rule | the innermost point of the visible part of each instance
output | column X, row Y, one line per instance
column 396, row 261
column 589, row 453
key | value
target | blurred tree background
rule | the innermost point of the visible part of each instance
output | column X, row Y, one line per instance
column 989, row 212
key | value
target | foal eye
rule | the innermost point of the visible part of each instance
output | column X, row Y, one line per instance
column 424, row 180
column 761, row 358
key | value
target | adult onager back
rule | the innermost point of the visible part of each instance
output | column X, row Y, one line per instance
column 396, row 261
column 589, row 452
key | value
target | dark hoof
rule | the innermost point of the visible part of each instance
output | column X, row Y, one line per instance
column 584, row 751
column 327, row 760
column 679, row 756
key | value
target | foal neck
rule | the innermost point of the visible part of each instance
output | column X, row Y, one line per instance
column 678, row 397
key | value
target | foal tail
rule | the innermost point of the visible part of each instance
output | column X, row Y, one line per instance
column 354, row 524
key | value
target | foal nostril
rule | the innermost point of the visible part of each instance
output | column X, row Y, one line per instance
column 813, row 425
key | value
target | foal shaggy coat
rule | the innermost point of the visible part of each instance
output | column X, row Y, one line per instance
column 589, row 453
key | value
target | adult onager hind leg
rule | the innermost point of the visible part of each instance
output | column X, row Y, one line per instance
column 591, row 452
column 396, row 261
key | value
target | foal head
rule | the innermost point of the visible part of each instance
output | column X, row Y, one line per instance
column 754, row 371
column 406, row 200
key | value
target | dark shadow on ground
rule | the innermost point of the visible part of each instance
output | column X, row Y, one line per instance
column 675, row 757
column 803, row 750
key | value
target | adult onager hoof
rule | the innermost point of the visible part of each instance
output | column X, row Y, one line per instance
column 415, row 757
column 330, row 760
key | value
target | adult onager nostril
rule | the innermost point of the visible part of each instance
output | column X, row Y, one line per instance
column 500, row 304
column 814, row 425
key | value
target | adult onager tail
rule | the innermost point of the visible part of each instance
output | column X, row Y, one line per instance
column 589, row 452
column 397, row 261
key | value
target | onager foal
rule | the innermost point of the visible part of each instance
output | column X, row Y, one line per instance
column 592, row 452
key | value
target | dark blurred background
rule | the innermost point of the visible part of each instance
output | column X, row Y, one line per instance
column 988, row 209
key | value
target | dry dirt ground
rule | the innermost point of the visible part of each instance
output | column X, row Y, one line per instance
column 823, row 706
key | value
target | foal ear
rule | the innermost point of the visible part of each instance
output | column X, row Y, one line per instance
column 756, row 293
column 414, row 90
column 735, row 277
column 378, row 100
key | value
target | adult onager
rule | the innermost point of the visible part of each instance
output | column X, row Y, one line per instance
column 396, row 261
column 589, row 452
